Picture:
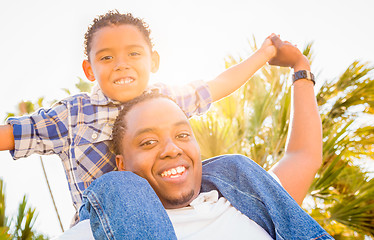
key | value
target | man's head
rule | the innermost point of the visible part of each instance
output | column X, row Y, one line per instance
column 153, row 138
column 119, row 55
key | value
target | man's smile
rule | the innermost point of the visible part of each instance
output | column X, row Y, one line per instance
column 173, row 172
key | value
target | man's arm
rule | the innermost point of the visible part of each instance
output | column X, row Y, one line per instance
column 234, row 77
column 6, row 137
column 303, row 156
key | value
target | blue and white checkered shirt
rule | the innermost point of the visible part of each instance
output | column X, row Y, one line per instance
column 78, row 129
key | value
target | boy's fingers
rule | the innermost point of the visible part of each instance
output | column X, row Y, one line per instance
column 271, row 35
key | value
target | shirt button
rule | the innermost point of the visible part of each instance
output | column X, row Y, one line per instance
column 94, row 136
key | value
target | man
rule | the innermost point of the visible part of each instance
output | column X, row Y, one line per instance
column 161, row 169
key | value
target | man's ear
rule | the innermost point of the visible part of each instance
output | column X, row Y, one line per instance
column 87, row 68
column 155, row 61
column 120, row 161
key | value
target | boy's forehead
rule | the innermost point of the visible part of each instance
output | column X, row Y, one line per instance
column 124, row 35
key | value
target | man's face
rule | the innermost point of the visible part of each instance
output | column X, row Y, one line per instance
column 159, row 146
column 121, row 61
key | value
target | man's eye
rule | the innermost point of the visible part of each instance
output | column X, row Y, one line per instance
column 106, row 58
column 183, row 135
column 148, row 143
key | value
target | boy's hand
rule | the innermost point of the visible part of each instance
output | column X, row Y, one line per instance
column 287, row 55
column 268, row 47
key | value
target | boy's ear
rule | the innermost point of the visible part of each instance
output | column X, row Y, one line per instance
column 155, row 61
column 86, row 65
column 120, row 162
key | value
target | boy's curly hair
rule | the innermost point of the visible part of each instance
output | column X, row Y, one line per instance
column 114, row 18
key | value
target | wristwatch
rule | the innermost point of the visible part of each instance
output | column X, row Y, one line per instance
column 303, row 74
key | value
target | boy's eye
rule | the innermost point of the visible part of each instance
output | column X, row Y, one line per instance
column 106, row 58
column 132, row 54
column 148, row 143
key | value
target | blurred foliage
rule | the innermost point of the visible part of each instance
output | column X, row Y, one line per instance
column 254, row 121
column 20, row 227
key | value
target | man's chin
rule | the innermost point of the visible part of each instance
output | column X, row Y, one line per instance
column 182, row 201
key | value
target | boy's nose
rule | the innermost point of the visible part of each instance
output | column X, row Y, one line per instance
column 170, row 150
column 121, row 65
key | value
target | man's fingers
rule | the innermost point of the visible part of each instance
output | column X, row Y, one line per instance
column 276, row 40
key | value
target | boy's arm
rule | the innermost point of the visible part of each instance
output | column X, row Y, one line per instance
column 6, row 137
column 303, row 157
column 234, row 77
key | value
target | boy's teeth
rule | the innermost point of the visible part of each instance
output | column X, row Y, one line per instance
column 174, row 172
column 124, row 80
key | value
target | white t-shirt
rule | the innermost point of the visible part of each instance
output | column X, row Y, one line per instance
column 81, row 231
column 210, row 217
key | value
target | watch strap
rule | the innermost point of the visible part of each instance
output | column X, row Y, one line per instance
column 303, row 74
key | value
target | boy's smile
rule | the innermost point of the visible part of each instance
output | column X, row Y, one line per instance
column 159, row 146
column 121, row 61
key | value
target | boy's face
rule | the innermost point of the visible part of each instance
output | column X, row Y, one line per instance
column 159, row 146
column 121, row 61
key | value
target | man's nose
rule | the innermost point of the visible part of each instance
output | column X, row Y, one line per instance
column 170, row 149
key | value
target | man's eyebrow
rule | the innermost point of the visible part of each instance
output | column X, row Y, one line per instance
column 182, row 122
column 146, row 130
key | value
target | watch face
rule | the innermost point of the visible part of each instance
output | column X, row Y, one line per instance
column 303, row 74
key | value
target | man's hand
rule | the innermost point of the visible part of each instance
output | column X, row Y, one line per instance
column 288, row 55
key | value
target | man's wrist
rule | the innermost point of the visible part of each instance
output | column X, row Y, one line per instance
column 303, row 75
column 302, row 64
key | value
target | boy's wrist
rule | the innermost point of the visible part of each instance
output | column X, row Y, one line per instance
column 267, row 52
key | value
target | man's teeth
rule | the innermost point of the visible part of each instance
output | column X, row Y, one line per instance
column 174, row 172
column 124, row 80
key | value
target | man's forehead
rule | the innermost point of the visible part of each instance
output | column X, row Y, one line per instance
column 156, row 128
column 155, row 113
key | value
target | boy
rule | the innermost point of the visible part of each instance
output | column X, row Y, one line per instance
column 120, row 57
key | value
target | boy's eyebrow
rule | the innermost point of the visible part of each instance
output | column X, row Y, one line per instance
column 135, row 46
column 146, row 130
column 102, row 50
column 129, row 47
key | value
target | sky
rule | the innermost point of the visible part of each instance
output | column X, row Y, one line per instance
column 41, row 46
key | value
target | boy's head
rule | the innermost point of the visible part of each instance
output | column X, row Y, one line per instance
column 153, row 139
column 119, row 55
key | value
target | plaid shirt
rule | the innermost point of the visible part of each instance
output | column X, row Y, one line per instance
column 79, row 129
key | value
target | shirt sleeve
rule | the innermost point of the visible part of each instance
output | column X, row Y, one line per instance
column 44, row 132
column 194, row 98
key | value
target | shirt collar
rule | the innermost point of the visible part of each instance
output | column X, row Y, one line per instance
column 99, row 98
